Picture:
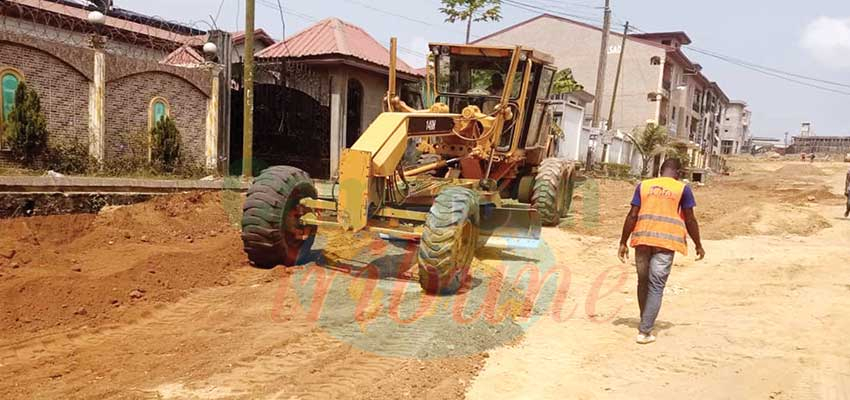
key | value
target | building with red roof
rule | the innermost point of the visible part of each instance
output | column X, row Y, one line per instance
column 339, row 74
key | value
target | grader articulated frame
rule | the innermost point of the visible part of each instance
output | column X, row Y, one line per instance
column 482, row 177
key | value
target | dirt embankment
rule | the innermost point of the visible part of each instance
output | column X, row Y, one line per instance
column 157, row 300
column 86, row 269
column 727, row 207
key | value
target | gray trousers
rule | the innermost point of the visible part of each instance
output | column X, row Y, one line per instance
column 653, row 268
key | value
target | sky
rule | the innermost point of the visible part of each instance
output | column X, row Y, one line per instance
column 810, row 39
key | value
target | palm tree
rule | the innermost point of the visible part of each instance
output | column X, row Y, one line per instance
column 650, row 141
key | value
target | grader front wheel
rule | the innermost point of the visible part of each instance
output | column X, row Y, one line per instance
column 448, row 241
column 272, row 233
column 568, row 191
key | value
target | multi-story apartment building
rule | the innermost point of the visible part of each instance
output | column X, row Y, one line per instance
column 692, row 106
column 658, row 82
column 735, row 130
column 575, row 45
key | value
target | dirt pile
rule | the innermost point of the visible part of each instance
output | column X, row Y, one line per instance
column 798, row 170
column 86, row 269
column 727, row 207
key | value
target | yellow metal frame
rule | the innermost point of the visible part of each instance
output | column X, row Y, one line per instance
column 370, row 167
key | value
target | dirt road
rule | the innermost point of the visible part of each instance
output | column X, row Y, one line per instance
column 156, row 301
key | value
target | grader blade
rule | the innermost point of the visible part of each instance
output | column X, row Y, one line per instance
column 510, row 228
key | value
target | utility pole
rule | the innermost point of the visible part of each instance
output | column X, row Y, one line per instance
column 616, row 88
column 600, row 77
column 248, row 87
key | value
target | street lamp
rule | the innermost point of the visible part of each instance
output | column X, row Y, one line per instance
column 210, row 50
column 96, row 18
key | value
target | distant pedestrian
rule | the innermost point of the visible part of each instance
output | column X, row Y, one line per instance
column 661, row 217
column 847, row 193
column 812, row 157
column 802, row 156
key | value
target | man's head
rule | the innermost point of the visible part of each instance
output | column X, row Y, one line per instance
column 671, row 168
column 496, row 81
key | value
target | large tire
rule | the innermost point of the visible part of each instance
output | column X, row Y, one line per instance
column 271, row 230
column 549, row 192
column 448, row 241
column 568, row 197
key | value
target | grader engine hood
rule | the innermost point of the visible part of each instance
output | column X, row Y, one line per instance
column 377, row 154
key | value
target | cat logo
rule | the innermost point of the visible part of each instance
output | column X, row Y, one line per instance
column 431, row 125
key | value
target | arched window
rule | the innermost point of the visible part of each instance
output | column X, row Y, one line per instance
column 159, row 109
column 354, row 114
column 655, row 60
column 9, row 81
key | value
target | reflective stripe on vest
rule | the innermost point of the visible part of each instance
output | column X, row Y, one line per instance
column 661, row 218
column 658, row 235
column 660, row 223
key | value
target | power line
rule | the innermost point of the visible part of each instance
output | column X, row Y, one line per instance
column 773, row 74
column 537, row 9
column 778, row 71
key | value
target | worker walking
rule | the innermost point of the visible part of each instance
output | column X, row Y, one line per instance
column 661, row 217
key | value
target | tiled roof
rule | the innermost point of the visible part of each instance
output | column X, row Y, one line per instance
column 259, row 34
column 334, row 37
column 183, row 56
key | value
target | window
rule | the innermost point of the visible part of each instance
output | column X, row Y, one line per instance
column 159, row 109
column 9, row 81
column 655, row 60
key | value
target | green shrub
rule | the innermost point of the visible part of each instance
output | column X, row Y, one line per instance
column 26, row 126
column 71, row 158
column 165, row 145
column 132, row 160
column 615, row 170
column 141, row 159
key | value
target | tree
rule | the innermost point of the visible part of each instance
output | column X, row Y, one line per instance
column 565, row 83
column 650, row 141
column 471, row 10
column 165, row 144
column 26, row 126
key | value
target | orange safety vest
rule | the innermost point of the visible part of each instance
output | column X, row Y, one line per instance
column 660, row 221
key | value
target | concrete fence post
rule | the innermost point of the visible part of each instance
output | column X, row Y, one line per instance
column 97, row 104
column 212, row 129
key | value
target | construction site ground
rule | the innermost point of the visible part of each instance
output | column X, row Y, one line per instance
column 157, row 301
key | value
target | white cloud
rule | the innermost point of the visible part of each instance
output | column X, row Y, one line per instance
column 827, row 39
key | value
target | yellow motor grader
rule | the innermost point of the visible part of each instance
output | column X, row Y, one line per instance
column 474, row 169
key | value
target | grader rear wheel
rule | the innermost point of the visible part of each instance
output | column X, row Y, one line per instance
column 449, row 241
column 271, row 230
column 550, row 192
column 568, row 191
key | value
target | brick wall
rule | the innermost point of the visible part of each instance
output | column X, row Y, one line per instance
column 128, row 100
column 63, row 90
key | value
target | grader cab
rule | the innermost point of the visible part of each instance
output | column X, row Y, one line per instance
column 474, row 169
